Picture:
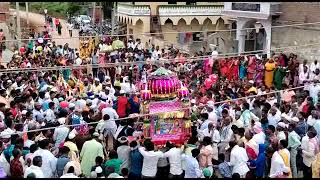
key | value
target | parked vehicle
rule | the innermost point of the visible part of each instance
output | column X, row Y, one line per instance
column 84, row 19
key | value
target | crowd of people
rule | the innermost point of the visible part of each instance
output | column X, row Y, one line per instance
column 83, row 121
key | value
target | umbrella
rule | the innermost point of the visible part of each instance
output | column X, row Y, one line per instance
column 117, row 44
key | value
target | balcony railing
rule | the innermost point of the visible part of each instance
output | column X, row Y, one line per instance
column 190, row 10
column 134, row 10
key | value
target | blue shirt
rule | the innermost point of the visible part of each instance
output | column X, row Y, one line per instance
column 134, row 106
column 75, row 119
column 61, row 163
column 192, row 167
column 136, row 162
column 225, row 170
column 301, row 129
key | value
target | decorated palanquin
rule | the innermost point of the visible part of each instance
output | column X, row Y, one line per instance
column 86, row 47
column 167, row 101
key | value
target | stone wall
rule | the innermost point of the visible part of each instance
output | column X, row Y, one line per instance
column 296, row 13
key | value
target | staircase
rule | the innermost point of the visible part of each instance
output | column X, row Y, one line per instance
column 156, row 27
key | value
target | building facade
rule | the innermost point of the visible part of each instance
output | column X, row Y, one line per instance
column 4, row 11
column 167, row 23
column 253, row 21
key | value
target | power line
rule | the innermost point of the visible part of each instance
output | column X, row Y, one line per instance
column 180, row 109
column 145, row 34
column 191, row 59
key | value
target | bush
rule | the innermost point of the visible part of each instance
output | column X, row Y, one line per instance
column 56, row 9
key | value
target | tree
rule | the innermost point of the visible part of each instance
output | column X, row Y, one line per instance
column 73, row 8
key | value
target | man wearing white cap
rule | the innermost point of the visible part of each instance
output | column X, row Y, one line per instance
column 274, row 116
column 127, row 87
column 259, row 136
column 211, row 112
column 105, row 94
column 37, row 112
column 61, row 132
column 280, row 128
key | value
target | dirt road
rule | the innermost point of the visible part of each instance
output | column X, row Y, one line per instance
column 38, row 20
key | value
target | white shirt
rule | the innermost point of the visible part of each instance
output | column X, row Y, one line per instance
column 1, row 116
column 109, row 97
column 311, row 120
column 139, row 46
column 69, row 175
column 273, row 120
column 192, row 167
column 259, row 138
column 314, row 90
column 49, row 162
column 303, row 77
column 226, row 133
column 204, row 125
column 111, row 112
column 214, row 134
column 70, row 26
column 314, row 66
column 213, row 117
column 308, row 151
column 214, row 54
column 34, row 169
column 301, row 68
column 238, row 160
column 78, row 61
column 4, row 164
column 277, row 166
column 281, row 135
column 150, row 161
column 128, row 88
column 49, row 115
column 131, row 45
column 28, row 143
column 110, row 127
column 174, row 155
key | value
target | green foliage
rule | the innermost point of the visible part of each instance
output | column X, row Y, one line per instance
column 57, row 9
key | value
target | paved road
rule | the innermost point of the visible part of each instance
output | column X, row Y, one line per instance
column 38, row 20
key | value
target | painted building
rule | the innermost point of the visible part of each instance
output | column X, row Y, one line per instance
column 258, row 17
column 171, row 20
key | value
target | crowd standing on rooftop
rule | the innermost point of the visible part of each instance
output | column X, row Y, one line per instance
column 65, row 123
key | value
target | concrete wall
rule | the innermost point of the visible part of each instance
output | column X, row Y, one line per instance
column 296, row 36
column 298, row 12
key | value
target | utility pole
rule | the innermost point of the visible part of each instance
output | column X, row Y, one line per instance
column 18, row 25
column 27, row 10
column 94, row 13
column 113, row 14
column 102, row 16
